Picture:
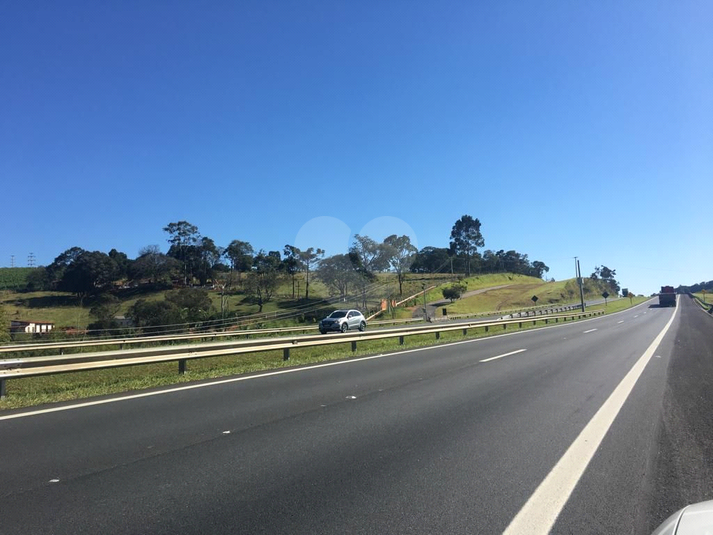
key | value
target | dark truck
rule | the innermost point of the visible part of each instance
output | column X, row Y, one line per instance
column 667, row 297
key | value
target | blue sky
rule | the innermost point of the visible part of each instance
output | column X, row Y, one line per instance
column 567, row 128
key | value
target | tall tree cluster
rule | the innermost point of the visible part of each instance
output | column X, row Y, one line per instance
column 193, row 258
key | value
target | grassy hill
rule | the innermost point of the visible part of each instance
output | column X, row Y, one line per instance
column 66, row 310
column 14, row 278
column 520, row 296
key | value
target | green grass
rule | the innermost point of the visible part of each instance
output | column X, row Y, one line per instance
column 476, row 282
column 705, row 298
column 60, row 308
column 14, row 278
column 520, row 295
column 619, row 304
column 64, row 387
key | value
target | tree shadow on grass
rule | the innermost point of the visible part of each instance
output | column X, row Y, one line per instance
column 49, row 301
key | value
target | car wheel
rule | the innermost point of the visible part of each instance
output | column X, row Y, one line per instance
column 323, row 332
column 362, row 326
column 344, row 327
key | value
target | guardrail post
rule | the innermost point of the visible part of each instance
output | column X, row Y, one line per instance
column 520, row 325
column 401, row 340
column 182, row 367
column 3, row 388
column 505, row 326
column 465, row 332
column 438, row 335
column 486, row 328
column 547, row 321
column 286, row 354
column 353, row 345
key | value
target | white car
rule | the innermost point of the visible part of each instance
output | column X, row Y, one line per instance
column 343, row 320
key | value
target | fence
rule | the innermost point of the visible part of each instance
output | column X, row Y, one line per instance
column 35, row 366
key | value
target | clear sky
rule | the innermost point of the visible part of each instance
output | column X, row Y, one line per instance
column 567, row 128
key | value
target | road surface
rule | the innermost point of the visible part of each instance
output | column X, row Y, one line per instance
column 453, row 439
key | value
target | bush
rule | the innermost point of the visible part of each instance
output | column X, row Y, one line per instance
column 454, row 292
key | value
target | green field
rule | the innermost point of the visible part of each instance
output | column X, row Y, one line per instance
column 520, row 294
column 14, row 278
column 476, row 282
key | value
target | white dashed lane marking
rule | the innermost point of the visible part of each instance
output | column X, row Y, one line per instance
column 504, row 355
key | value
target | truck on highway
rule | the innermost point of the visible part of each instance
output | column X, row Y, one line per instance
column 667, row 297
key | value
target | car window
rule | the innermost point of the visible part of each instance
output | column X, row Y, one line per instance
column 338, row 314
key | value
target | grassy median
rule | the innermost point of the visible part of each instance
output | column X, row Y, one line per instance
column 79, row 385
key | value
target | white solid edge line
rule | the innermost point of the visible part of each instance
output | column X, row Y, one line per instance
column 292, row 370
column 540, row 512
column 589, row 331
column 504, row 355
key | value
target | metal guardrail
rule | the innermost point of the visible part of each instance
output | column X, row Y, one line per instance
column 124, row 341
column 36, row 366
column 708, row 307
column 17, row 348
column 514, row 312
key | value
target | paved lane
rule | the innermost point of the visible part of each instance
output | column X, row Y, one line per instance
column 448, row 439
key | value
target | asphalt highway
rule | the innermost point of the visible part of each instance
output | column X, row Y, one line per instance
column 460, row 438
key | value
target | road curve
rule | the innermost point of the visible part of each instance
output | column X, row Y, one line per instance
column 450, row 439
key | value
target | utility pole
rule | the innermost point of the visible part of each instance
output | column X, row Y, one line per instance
column 425, row 310
column 579, row 281
column 12, row 260
column 31, row 260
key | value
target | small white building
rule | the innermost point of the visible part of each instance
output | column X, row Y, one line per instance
column 32, row 327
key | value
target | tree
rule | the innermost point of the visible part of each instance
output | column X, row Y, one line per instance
column 155, row 314
column 55, row 271
column 182, row 235
column 38, row 280
column 104, row 310
column 240, row 254
column 539, row 269
column 400, row 254
column 89, row 273
column 4, row 327
column 153, row 265
column 338, row 273
column 208, row 256
column 263, row 280
column 292, row 264
column 194, row 303
column 606, row 275
column 454, row 291
column 466, row 238
column 430, row 260
column 309, row 260
column 368, row 257
column 122, row 262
